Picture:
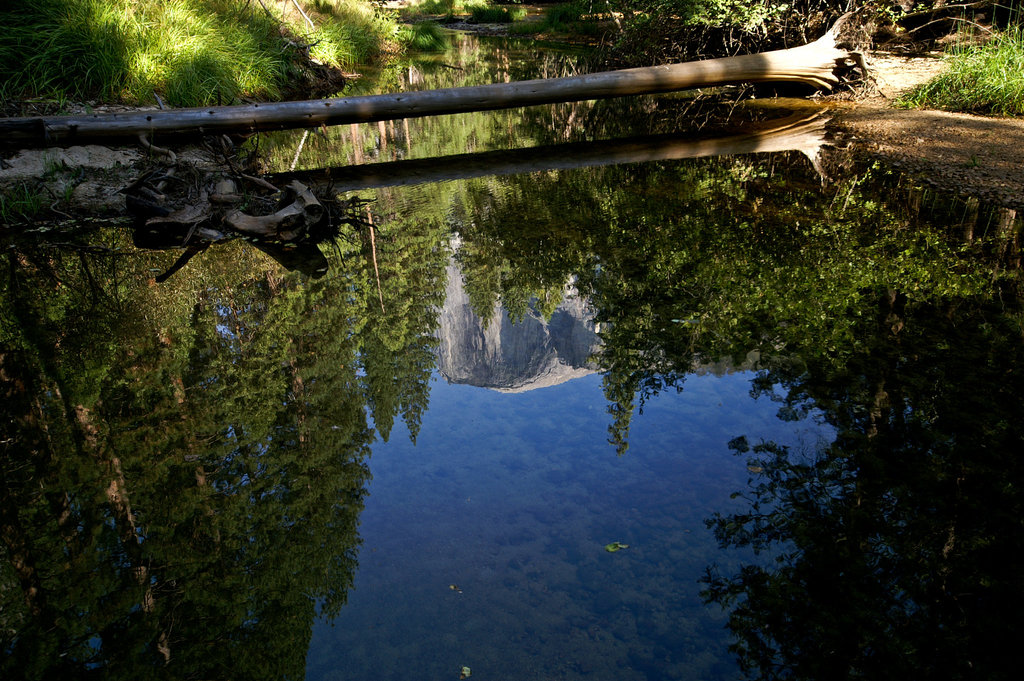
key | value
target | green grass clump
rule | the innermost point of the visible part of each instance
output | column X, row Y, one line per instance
column 430, row 8
column 479, row 11
column 424, row 36
column 579, row 17
column 986, row 79
column 563, row 16
column 497, row 15
column 191, row 52
column 349, row 32
column 19, row 203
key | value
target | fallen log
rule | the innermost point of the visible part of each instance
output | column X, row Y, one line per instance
column 813, row 64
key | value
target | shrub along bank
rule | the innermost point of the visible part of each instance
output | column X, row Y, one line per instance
column 985, row 78
column 187, row 52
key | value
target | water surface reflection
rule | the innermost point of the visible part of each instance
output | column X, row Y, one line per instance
column 186, row 467
column 512, row 498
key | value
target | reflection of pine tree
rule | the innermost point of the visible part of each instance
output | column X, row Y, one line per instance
column 67, row 506
column 183, row 478
column 894, row 543
column 521, row 246
column 398, row 342
column 184, row 466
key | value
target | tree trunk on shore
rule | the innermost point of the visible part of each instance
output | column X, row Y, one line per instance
column 813, row 64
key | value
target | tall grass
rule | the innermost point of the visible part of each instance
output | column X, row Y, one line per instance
column 424, row 36
column 497, row 15
column 425, row 8
column 563, row 16
column 986, row 78
column 579, row 17
column 20, row 203
column 349, row 32
column 191, row 52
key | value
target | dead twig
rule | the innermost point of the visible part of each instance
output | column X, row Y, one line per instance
column 945, row 8
column 259, row 182
column 939, row 21
column 266, row 9
column 153, row 149
column 373, row 253
column 298, row 150
column 190, row 252
column 304, row 15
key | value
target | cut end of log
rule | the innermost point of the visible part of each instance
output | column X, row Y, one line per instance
column 815, row 63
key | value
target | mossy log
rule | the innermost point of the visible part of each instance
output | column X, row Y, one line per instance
column 813, row 64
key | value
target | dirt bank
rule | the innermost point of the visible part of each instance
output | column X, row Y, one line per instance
column 970, row 155
column 977, row 156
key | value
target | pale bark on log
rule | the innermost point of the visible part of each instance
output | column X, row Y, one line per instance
column 813, row 64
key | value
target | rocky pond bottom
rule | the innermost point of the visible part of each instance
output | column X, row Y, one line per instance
column 485, row 544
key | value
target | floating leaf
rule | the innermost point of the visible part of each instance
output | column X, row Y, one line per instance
column 615, row 546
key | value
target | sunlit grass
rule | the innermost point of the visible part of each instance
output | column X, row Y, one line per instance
column 349, row 32
column 986, row 78
column 441, row 7
column 199, row 57
column 497, row 15
column 424, row 36
column 578, row 17
column 190, row 52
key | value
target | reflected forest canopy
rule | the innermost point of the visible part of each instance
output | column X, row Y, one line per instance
column 184, row 463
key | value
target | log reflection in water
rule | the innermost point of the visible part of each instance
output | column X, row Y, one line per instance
column 799, row 132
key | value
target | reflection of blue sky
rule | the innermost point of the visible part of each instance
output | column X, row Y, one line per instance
column 512, row 498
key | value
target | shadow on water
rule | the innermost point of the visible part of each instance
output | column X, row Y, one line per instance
column 185, row 467
column 900, row 536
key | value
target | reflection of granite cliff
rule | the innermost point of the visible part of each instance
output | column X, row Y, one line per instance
column 513, row 357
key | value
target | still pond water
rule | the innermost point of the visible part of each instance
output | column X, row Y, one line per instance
column 597, row 396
